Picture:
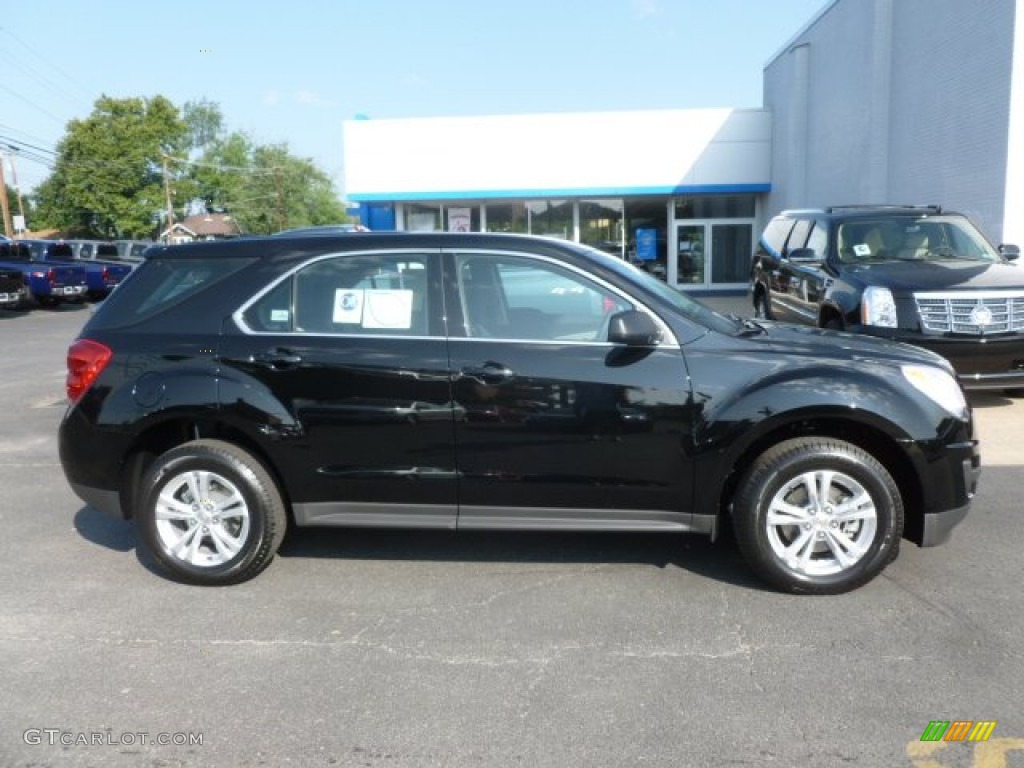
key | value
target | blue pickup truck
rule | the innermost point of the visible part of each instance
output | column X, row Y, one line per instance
column 46, row 284
column 101, row 277
column 12, row 288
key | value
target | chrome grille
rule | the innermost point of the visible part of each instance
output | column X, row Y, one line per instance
column 975, row 313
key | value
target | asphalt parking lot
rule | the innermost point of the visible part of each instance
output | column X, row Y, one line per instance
column 378, row 648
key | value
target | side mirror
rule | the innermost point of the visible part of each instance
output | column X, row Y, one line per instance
column 804, row 254
column 634, row 329
column 1009, row 252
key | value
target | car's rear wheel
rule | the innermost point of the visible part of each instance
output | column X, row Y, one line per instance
column 762, row 307
column 211, row 513
column 818, row 516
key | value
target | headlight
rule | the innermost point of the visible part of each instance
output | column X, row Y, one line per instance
column 877, row 307
column 938, row 386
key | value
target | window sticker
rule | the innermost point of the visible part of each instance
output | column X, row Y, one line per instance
column 279, row 315
column 388, row 309
column 862, row 249
column 348, row 306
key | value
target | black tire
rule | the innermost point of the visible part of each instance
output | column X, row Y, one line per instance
column 762, row 307
column 833, row 324
column 775, row 477
column 236, row 483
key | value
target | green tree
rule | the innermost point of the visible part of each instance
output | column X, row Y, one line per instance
column 205, row 122
column 12, row 202
column 265, row 187
column 108, row 180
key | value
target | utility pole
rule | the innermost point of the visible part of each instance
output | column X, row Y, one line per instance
column 17, row 189
column 4, row 206
column 167, row 197
column 280, row 203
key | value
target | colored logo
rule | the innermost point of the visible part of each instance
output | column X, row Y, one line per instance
column 958, row 730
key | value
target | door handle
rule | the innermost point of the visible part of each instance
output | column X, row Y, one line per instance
column 277, row 359
column 488, row 373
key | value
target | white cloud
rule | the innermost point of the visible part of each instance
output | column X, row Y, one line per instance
column 312, row 98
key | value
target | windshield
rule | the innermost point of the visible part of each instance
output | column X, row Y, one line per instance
column 913, row 238
column 679, row 301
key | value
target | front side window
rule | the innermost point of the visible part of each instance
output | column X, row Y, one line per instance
column 508, row 297
column 363, row 294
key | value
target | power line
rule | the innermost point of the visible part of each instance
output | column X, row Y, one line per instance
column 47, row 59
column 32, row 104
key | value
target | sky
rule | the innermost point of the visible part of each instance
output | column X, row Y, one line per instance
column 292, row 72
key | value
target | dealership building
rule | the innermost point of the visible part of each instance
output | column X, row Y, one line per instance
column 873, row 101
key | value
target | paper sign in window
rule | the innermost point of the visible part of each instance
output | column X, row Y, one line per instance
column 387, row 309
column 348, row 306
column 862, row 249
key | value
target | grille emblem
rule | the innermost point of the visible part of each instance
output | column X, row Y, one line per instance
column 981, row 316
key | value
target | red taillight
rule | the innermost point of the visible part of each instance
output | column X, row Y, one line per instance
column 51, row 275
column 86, row 360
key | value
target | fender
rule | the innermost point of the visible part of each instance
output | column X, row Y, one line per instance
column 726, row 429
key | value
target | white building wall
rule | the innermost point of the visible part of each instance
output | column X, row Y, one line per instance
column 908, row 101
column 1013, row 213
column 611, row 153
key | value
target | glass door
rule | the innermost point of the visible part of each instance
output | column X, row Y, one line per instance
column 732, row 247
column 691, row 240
column 713, row 254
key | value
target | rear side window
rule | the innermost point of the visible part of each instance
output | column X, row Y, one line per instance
column 363, row 294
column 158, row 285
column 798, row 237
column 106, row 251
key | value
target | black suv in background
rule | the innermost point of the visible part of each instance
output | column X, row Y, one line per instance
column 916, row 274
column 472, row 381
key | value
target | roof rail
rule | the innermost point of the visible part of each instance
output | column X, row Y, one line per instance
column 932, row 208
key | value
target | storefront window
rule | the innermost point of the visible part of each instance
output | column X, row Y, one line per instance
column 647, row 232
column 715, row 207
column 510, row 217
column 463, row 218
column 601, row 226
column 552, row 218
column 422, row 218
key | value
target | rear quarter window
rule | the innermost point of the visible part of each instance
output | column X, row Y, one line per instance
column 775, row 234
column 160, row 284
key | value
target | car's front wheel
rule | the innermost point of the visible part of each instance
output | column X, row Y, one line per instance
column 211, row 513
column 817, row 515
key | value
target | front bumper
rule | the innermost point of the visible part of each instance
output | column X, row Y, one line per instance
column 949, row 479
column 981, row 362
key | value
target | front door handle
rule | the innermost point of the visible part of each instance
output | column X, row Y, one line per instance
column 488, row 373
column 277, row 359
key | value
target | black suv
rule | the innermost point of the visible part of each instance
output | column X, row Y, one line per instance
column 916, row 274
column 472, row 381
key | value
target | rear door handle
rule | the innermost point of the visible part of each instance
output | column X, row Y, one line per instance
column 278, row 359
column 488, row 373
